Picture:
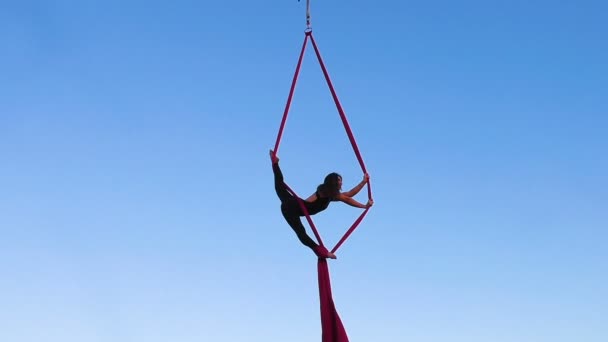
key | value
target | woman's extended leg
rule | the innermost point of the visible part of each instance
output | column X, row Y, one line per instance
column 279, row 185
column 296, row 224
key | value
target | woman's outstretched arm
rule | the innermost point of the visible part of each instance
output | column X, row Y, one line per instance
column 354, row 203
column 354, row 191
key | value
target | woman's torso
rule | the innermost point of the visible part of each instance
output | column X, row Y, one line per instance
column 319, row 204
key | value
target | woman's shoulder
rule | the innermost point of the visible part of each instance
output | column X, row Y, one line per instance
column 322, row 196
column 339, row 197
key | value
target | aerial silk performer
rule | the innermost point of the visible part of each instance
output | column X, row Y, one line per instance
column 293, row 207
column 328, row 191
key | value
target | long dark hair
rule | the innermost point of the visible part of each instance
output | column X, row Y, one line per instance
column 330, row 186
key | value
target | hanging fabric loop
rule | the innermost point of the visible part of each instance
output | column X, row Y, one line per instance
column 346, row 125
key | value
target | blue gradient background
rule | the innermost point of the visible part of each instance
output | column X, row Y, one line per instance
column 136, row 198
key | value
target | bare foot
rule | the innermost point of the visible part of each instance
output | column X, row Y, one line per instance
column 322, row 252
column 273, row 157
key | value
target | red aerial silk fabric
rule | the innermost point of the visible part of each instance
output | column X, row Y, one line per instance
column 331, row 324
column 332, row 328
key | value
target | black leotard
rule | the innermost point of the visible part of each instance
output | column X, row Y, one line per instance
column 291, row 210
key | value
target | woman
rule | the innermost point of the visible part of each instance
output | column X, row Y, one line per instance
column 327, row 192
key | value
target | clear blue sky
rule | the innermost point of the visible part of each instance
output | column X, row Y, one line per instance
column 136, row 198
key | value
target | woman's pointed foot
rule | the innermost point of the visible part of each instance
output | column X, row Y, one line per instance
column 322, row 252
column 273, row 157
